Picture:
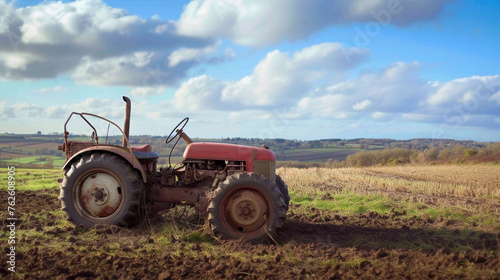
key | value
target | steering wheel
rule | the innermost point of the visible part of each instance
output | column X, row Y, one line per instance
column 177, row 130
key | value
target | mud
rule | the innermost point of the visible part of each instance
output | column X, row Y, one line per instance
column 321, row 245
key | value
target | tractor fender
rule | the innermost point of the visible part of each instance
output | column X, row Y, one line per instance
column 122, row 152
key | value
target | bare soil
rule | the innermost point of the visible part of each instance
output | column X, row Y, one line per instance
column 321, row 245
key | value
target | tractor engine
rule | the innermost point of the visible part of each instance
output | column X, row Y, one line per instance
column 205, row 165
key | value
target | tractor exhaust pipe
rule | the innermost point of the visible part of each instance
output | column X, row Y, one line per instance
column 126, row 125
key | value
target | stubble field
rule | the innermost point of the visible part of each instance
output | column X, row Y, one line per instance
column 410, row 222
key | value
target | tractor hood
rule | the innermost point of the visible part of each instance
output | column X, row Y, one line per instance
column 220, row 151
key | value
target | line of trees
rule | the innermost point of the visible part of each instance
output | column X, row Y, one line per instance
column 435, row 154
column 454, row 154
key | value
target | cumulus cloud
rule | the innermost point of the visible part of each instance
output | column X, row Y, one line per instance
column 258, row 23
column 94, row 42
column 119, row 70
column 53, row 89
column 465, row 90
column 361, row 105
column 280, row 79
column 397, row 93
column 105, row 107
column 6, row 111
column 203, row 92
column 23, row 109
column 465, row 101
column 147, row 91
column 294, row 84
column 190, row 54
column 394, row 89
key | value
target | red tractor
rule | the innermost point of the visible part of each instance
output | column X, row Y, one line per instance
column 233, row 187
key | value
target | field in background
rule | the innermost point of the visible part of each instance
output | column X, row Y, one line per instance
column 377, row 222
column 447, row 181
column 34, row 154
column 40, row 151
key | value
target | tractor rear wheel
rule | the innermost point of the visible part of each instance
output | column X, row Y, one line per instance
column 247, row 206
column 101, row 188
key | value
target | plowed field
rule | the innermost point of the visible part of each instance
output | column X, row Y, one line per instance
column 318, row 245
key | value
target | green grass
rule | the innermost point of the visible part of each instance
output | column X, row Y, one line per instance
column 31, row 179
column 347, row 204
column 351, row 204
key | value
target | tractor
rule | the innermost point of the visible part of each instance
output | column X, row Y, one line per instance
column 233, row 188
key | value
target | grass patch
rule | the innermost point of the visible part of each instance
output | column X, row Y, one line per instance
column 32, row 179
column 199, row 237
column 347, row 204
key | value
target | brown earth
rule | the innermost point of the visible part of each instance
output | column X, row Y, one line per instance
column 323, row 245
column 14, row 155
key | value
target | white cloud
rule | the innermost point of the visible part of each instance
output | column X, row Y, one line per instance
column 55, row 38
column 380, row 116
column 56, row 112
column 6, row 111
column 280, row 79
column 464, row 89
column 190, row 54
column 53, row 89
column 472, row 95
column 122, row 70
column 147, row 91
column 325, row 106
column 361, row 105
column 23, row 109
column 104, row 107
column 203, row 92
column 258, row 23
column 397, row 93
column 495, row 97
column 291, row 83
column 394, row 89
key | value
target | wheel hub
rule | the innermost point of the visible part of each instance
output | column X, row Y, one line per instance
column 247, row 210
column 100, row 195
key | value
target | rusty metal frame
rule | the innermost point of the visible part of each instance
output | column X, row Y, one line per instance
column 125, row 137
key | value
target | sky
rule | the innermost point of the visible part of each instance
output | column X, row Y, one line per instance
column 290, row 69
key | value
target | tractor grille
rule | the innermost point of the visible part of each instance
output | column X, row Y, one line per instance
column 235, row 167
column 265, row 168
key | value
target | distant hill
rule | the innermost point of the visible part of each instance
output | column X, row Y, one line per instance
column 39, row 150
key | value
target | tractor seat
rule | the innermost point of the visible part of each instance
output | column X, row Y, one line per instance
column 142, row 149
column 144, row 152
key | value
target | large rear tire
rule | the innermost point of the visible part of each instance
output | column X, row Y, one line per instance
column 101, row 188
column 247, row 206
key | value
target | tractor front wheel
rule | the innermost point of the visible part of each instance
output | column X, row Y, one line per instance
column 101, row 188
column 247, row 206
column 283, row 189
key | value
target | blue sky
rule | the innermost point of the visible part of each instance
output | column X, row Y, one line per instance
column 270, row 69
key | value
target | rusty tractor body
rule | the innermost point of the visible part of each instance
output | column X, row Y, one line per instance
column 232, row 187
